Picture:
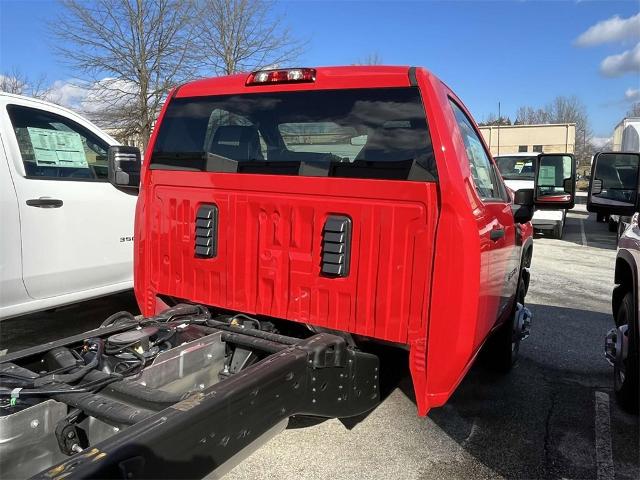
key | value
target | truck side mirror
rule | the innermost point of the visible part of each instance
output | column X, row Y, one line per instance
column 124, row 166
column 613, row 189
column 555, row 181
column 523, row 205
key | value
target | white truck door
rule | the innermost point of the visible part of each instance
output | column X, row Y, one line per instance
column 76, row 227
column 12, row 290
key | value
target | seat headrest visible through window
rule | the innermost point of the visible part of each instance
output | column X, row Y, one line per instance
column 237, row 142
column 609, row 175
column 392, row 144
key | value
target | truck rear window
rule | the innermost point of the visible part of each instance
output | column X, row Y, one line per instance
column 357, row 133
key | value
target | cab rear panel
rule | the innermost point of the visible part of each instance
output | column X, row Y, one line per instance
column 270, row 249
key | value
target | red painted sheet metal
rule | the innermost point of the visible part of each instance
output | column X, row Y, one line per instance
column 268, row 259
column 326, row 78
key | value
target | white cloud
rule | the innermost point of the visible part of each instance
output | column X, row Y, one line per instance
column 87, row 97
column 625, row 62
column 599, row 142
column 108, row 93
column 632, row 94
column 614, row 29
column 68, row 93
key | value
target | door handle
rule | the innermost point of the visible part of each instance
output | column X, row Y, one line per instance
column 496, row 234
column 45, row 202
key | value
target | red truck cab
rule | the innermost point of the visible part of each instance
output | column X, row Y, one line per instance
column 362, row 200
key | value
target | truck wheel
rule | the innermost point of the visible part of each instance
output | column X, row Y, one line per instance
column 613, row 226
column 557, row 231
column 601, row 217
column 625, row 370
column 504, row 345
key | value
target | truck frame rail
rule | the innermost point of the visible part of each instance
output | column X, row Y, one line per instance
column 210, row 431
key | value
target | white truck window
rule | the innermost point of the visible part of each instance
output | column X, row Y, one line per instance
column 55, row 147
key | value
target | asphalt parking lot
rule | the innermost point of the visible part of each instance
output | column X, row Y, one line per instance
column 554, row 416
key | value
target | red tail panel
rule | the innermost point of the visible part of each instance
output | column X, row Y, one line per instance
column 269, row 249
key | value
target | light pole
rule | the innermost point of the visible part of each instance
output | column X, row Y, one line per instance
column 499, row 120
column 584, row 145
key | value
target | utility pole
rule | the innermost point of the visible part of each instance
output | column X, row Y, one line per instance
column 499, row 120
column 584, row 145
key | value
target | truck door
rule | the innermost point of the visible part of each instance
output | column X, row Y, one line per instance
column 496, row 228
column 76, row 227
column 12, row 290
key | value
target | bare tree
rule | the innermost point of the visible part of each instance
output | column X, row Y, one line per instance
column 606, row 147
column 133, row 50
column 243, row 35
column 493, row 119
column 14, row 81
column 531, row 116
column 370, row 59
column 572, row 110
column 562, row 110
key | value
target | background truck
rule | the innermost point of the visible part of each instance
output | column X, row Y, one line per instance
column 626, row 135
column 517, row 170
column 626, row 138
column 613, row 190
column 292, row 226
column 67, row 233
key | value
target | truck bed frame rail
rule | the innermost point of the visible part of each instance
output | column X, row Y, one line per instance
column 209, row 430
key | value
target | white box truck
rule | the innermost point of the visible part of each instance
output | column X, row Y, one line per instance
column 626, row 138
column 626, row 135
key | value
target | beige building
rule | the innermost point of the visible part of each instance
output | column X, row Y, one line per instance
column 545, row 138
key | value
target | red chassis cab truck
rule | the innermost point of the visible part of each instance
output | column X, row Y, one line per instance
column 432, row 256
column 286, row 220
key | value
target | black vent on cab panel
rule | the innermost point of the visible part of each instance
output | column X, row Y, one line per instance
column 336, row 246
column 206, row 231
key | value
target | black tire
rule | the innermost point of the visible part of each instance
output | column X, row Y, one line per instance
column 502, row 349
column 557, row 231
column 613, row 226
column 601, row 217
column 625, row 380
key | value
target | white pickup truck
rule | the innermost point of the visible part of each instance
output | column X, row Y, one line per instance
column 517, row 170
column 67, row 233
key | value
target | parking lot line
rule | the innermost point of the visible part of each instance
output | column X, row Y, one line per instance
column 604, row 455
column 582, row 234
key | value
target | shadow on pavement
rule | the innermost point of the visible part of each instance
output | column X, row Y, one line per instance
column 581, row 198
column 36, row 328
column 581, row 227
column 538, row 421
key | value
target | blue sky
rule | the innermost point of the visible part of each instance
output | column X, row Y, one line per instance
column 515, row 52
